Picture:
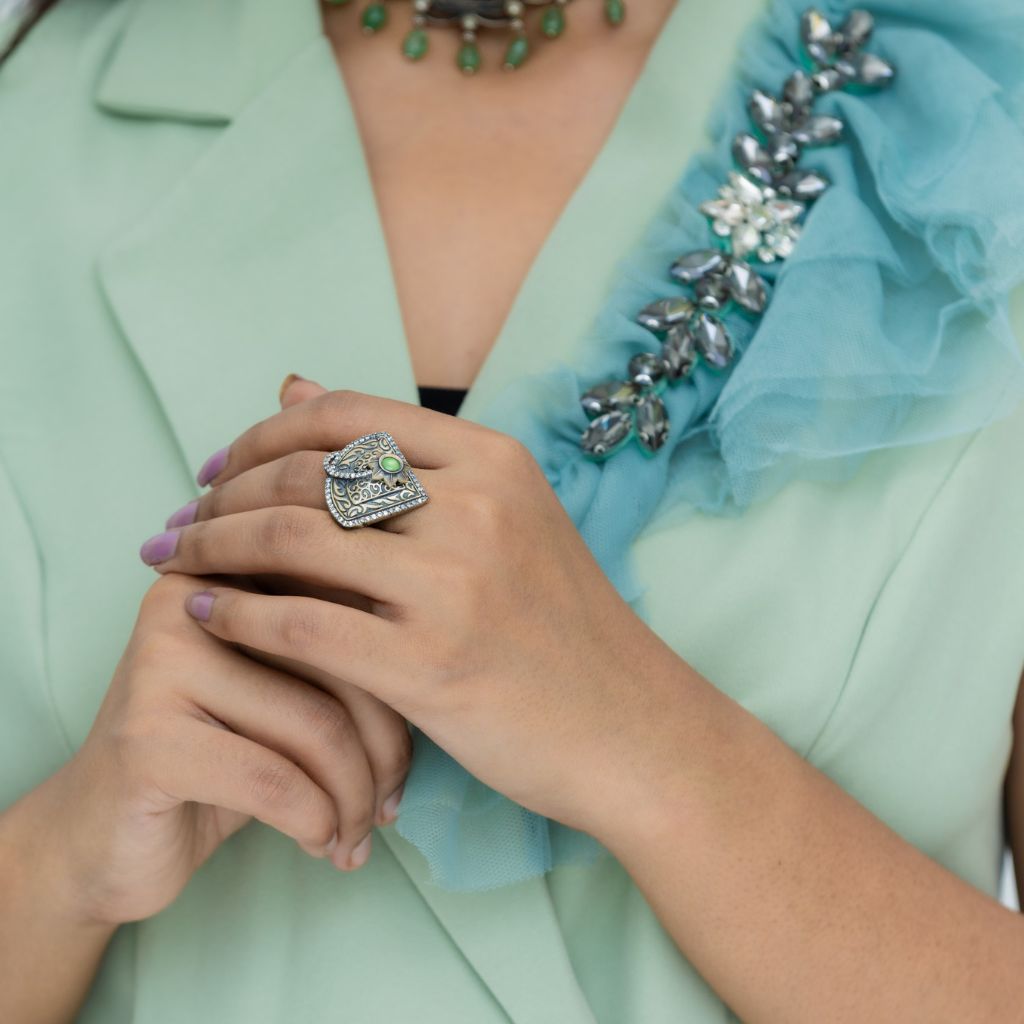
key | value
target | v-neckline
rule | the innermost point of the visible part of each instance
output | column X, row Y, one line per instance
column 652, row 137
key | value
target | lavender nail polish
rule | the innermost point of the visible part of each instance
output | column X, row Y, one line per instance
column 185, row 515
column 212, row 466
column 159, row 548
column 200, row 605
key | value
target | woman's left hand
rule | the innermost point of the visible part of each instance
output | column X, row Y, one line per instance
column 488, row 623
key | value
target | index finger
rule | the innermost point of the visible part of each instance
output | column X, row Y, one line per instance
column 328, row 422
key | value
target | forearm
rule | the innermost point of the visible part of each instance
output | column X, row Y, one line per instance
column 794, row 902
column 49, row 951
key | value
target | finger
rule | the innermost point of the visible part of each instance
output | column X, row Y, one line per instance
column 363, row 649
column 296, row 389
column 211, row 765
column 296, row 479
column 429, row 439
column 309, row 727
column 298, row 542
column 383, row 733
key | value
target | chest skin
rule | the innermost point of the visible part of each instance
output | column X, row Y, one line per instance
column 470, row 175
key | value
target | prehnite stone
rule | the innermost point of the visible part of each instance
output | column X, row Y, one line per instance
column 552, row 21
column 516, row 52
column 614, row 11
column 390, row 464
column 375, row 17
column 468, row 58
column 415, row 44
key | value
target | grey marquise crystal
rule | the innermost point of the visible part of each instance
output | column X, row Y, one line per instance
column 803, row 185
column 606, row 432
column 679, row 352
column 663, row 313
column 647, row 369
column 755, row 216
column 692, row 266
column 747, row 287
column 651, row 422
column 612, row 394
column 713, row 341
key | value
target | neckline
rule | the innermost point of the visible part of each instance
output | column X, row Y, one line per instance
column 655, row 132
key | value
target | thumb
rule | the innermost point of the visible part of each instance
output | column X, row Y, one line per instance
column 295, row 389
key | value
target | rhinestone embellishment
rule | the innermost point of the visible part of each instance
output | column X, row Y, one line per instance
column 755, row 218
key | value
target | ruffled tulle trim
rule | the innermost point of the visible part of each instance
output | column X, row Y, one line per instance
column 886, row 327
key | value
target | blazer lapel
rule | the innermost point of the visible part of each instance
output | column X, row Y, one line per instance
column 266, row 256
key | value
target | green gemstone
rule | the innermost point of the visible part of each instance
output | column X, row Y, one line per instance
column 468, row 58
column 375, row 17
column 552, row 21
column 390, row 464
column 415, row 45
column 614, row 11
column 517, row 52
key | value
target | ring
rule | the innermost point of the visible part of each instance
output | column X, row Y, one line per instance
column 369, row 480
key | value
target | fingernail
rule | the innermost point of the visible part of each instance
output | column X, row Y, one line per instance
column 389, row 809
column 199, row 606
column 331, row 846
column 286, row 384
column 361, row 851
column 185, row 516
column 159, row 548
column 212, row 466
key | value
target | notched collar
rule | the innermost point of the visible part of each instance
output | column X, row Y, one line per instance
column 202, row 61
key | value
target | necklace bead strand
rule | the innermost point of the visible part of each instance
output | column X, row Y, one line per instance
column 469, row 16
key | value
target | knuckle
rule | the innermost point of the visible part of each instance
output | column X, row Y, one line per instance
column 484, row 511
column 291, row 482
column 329, row 724
column 282, row 532
column 273, row 783
column 299, row 629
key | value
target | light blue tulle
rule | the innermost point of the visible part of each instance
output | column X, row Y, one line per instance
column 887, row 326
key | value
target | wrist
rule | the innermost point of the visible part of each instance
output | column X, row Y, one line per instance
column 37, row 859
column 671, row 767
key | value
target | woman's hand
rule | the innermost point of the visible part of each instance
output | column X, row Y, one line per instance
column 192, row 740
column 489, row 624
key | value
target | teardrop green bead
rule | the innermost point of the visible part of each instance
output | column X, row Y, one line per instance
column 468, row 58
column 415, row 45
column 517, row 51
column 614, row 11
column 375, row 17
column 552, row 21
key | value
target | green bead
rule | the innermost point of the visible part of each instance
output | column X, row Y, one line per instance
column 614, row 11
column 415, row 45
column 390, row 464
column 468, row 58
column 375, row 17
column 552, row 21
column 516, row 53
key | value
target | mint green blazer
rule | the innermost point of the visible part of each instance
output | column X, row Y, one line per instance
column 187, row 217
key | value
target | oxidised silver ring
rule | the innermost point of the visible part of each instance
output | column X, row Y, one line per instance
column 369, row 480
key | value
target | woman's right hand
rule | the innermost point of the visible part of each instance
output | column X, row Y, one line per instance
column 195, row 738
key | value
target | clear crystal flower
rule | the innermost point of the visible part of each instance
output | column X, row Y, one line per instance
column 755, row 219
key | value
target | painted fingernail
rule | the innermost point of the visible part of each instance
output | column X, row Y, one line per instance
column 389, row 809
column 212, row 466
column 199, row 606
column 361, row 851
column 286, row 384
column 159, row 548
column 185, row 516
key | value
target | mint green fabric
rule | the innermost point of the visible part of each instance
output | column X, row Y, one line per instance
column 187, row 218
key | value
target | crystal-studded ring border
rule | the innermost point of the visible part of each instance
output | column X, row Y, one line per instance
column 386, row 445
